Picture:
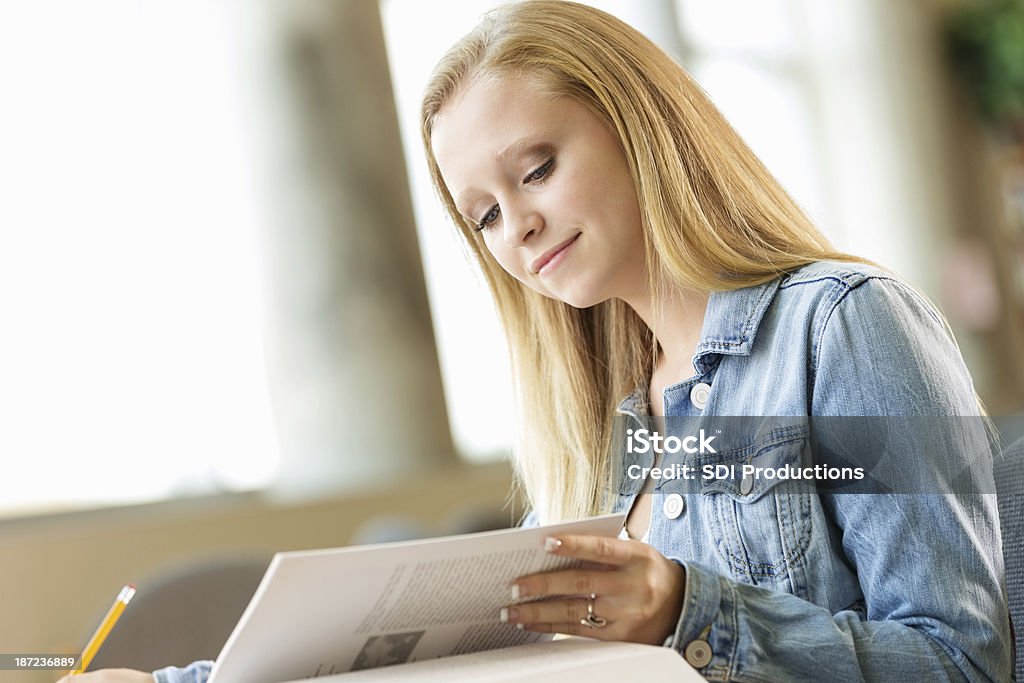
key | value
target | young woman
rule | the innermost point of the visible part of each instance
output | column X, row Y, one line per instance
column 647, row 266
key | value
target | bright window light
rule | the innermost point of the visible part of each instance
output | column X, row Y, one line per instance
column 131, row 365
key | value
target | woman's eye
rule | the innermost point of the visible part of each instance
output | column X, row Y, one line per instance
column 491, row 216
column 535, row 176
column 540, row 172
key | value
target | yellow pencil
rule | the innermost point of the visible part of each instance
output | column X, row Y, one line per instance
column 104, row 628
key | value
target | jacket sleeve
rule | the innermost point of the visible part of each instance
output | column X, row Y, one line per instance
column 196, row 672
column 929, row 565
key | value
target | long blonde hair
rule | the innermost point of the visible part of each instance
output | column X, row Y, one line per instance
column 714, row 219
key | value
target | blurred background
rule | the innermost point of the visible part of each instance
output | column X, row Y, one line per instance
column 234, row 320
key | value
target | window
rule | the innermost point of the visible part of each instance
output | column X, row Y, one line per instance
column 749, row 56
column 130, row 358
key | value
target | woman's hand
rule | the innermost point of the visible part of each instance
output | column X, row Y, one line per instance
column 110, row 676
column 638, row 591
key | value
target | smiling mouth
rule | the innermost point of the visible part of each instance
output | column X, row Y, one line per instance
column 555, row 256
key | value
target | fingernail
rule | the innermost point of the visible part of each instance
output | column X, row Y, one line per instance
column 552, row 544
column 519, row 626
column 503, row 615
column 517, row 592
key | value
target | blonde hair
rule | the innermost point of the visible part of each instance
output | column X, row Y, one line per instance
column 714, row 219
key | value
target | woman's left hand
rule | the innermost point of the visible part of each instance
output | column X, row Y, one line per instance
column 638, row 592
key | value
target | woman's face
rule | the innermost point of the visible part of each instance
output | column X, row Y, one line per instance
column 547, row 185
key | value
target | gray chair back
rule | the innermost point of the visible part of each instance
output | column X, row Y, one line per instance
column 181, row 615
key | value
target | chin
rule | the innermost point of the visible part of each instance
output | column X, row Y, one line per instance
column 576, row 297
column 579, row 299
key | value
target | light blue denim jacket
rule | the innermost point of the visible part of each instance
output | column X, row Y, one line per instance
column 784, row 583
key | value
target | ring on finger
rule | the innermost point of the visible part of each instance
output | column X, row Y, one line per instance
column 592, row 620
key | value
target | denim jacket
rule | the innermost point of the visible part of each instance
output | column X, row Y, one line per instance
column 787, row 583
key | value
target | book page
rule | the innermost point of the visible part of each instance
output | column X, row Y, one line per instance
column 553, row 662
column 323, row 612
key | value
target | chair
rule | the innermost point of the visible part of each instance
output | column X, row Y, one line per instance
column 182, row 615
column 1008, row 470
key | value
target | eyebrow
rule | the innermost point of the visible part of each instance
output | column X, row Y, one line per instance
column 524, row 146
column 521, row 147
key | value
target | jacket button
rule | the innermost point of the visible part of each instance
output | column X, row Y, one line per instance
column 746, row 485
column 699, row 395
column 698, row 653
column 674, row 505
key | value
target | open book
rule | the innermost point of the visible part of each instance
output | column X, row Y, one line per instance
column 322, row 613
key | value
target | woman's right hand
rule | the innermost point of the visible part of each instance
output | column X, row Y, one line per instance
column 110, row 676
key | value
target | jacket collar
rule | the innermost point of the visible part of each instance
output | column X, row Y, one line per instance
column 731, row 321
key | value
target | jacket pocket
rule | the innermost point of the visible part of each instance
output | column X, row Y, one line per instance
column 760, row 522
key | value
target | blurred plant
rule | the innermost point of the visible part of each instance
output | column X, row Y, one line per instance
column 985, row 39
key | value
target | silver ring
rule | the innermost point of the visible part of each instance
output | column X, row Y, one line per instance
column 592, row 620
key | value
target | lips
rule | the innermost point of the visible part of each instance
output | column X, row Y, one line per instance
column 547, row 256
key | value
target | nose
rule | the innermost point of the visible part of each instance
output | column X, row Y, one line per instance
column 521, row 225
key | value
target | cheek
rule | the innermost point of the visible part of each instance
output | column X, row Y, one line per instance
column 500, row 253
column 597, row 194
column 506, row 257
column 578, row 192
column 604, row 181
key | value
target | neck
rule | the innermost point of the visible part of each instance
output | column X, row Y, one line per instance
column 677, row 324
